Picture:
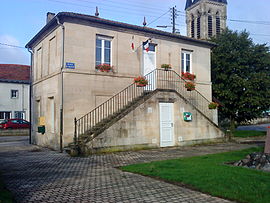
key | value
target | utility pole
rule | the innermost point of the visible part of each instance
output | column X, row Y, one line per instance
column 173, row 19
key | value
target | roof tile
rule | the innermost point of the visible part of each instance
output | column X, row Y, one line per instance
column 15, row 72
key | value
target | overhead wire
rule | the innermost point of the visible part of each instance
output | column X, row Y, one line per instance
column 10, row 45
column 107, row 10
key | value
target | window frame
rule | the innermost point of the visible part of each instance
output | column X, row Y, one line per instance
column 184, row 65
column 21, row 113
column 16, row 96
column 5, row 113
column 103, row 39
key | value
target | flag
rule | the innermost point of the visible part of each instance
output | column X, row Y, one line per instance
column 132, row 44
column 146, row 46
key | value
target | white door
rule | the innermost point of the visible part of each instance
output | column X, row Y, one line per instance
column 166, row 124
column 149, row 64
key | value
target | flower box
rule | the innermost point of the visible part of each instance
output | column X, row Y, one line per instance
column 190, row 86
column 140, row 81
column 104, row 68
column 188, row 76
column 213, row 105
column 166, row 66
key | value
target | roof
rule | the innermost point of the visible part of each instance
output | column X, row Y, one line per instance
column 68, row 16
column 14, row 73
column 189, row 3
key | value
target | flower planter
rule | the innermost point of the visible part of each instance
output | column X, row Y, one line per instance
column 140, row 81
column 213, row 105
column 140, row 85
column 104, row 68
column 190, row 86
column 188, row 76
column 166, row 67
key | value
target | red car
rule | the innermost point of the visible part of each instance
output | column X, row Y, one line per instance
column 14, row 123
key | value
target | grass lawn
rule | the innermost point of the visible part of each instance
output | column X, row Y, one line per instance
column 210, row 175
column 5, row 195
column 248, row 133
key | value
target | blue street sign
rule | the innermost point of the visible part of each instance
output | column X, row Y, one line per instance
column 70, row 65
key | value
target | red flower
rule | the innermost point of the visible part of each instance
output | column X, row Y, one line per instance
column 190, row 85
column 140, row 81
column 104, row 67
column 188, row 76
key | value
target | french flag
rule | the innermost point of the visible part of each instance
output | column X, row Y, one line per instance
column 146, row 46
column 132, row 44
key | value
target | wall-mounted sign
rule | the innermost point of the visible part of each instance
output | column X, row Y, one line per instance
column 70, row 65
column 187, row 116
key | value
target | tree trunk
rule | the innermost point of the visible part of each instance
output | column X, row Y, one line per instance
column 232, row 129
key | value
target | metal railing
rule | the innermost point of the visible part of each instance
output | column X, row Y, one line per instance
column 157, row 79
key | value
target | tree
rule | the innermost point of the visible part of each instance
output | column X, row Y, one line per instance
column 240, row 76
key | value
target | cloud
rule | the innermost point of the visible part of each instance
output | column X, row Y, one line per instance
column 12, row 55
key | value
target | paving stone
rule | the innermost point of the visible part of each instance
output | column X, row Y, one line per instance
column 49, row 176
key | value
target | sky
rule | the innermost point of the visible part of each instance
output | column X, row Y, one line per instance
column 22, row 19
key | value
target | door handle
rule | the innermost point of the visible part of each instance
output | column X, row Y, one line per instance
column 171, row 124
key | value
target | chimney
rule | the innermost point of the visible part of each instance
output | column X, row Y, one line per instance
column 50, row 16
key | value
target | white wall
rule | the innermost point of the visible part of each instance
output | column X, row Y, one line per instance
column 21, row 103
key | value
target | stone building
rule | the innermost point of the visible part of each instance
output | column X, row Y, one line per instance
column 110, row 110
column 14, row 88
column 205, row 18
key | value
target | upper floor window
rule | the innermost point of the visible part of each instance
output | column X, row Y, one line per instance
column 14, row 94
column 103, row 50
column 186, row 61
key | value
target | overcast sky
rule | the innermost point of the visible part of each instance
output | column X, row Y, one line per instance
column 22, row 19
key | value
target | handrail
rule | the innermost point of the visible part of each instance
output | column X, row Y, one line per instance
column 157, row 79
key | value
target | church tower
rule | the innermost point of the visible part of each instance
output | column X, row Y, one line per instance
column 205, row 18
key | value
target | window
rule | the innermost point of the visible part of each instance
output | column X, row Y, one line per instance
column 14, row 94
column 186, row 61
column 103, row 50
column 20, row 114
column 192, row 26
column 217, row 23
column 52, row 55
column 199, row 27
column 5, row 115
column 210, row 25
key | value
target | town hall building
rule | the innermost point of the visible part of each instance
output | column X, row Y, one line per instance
column 87, row 93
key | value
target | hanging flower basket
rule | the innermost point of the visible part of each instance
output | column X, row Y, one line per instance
column 104, row 68
column 190, row 86
column 166, row 67
column 213, row 105
column 188, row 76
column 140, row 81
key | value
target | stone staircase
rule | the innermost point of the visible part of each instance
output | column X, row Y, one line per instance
column 88, row 127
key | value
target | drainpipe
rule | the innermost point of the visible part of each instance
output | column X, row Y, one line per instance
column 62, row 85
column 30, row 94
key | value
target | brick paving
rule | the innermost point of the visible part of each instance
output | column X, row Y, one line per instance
column 35, row 174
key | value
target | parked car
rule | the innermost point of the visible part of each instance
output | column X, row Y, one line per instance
column 14, row 124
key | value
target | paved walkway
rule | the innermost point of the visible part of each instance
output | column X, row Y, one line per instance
column 35, row 174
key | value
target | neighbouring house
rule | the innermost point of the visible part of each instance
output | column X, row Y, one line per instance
column 14, row 88
column 84, row 93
